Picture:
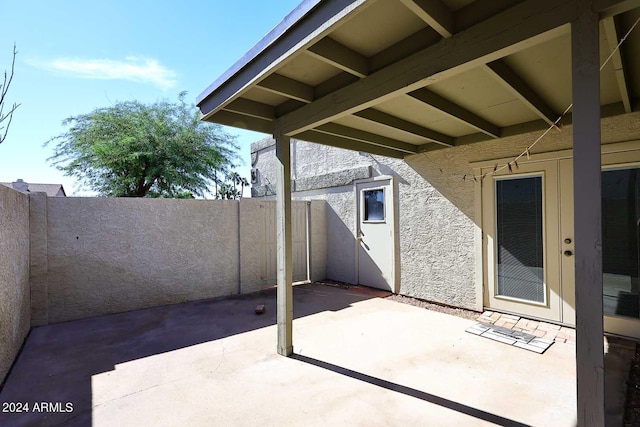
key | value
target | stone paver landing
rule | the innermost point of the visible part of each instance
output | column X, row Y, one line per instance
column 547, row 331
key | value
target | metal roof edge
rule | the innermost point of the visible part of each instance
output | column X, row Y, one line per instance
column 295, row 16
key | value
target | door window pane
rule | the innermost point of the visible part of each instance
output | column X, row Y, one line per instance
column 620, row 235
column 519, row 239
column 373, row 205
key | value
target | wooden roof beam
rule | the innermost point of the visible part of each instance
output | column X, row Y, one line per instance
column 435, row 13
column 454, row 110
column 241, row 121
column 512, row 82
column 367, row 137
column 394, row 122
column 521, row 26
column 617, row 62
column 340, row 56
column 608, row 8
column 348, row 144
column 251, row 108
column 285, row 86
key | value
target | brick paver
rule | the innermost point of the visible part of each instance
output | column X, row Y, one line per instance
column 549, row 331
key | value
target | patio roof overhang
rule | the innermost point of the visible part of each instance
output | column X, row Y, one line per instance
column 403, row 77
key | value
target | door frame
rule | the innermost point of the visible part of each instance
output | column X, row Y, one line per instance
column 612, row 324
column 393, row 221
column 621, row 325
column 551, row 307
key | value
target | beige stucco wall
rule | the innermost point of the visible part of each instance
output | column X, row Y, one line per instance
column 434, row 246
column 436, row 207
column 113, row 255
column 14, row 275
column 258, row 243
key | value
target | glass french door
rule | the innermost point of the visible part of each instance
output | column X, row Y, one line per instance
column 528, row 241
column 520, row 232
column 621, row 242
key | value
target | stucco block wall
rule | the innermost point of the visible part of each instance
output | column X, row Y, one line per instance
column 38, row 259
column 113, row 255
column 15, row 309
column 258, row 250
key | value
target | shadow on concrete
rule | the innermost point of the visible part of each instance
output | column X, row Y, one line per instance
column 58, row 361
column 418, row 394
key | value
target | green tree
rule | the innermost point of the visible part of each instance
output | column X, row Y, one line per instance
column 236, row 180
column 228, row 190
column 137, row 150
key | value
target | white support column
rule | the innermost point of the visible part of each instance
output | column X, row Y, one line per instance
column 284, row 246
column 587, row 217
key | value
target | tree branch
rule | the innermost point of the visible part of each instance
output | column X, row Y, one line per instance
column 4, row 88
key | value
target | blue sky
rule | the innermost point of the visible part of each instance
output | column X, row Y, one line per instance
column 76, row 56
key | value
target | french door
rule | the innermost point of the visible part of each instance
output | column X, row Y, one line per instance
column 521, row 219
column 528, row 241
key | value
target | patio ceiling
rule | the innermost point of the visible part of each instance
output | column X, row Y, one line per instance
column 401, row 77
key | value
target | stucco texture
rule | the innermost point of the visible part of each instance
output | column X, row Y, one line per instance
column 14, row 275
column 435, row 207
column 113, row 255
column 310, row 160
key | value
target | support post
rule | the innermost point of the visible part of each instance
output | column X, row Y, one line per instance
column 587, row 216
column 284, row 246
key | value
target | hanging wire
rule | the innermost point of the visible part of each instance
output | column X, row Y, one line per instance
column 527, row 152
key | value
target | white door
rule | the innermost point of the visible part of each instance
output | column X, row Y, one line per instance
column 529, row 240
column 375, row 237
column 521, row 243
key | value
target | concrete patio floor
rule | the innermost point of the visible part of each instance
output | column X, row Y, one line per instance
column 360, row 361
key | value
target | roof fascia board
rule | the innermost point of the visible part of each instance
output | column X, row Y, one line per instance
column 295, row 16
column 316, row 25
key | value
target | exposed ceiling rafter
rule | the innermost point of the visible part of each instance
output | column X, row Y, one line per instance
column 241, row 121
column 617, row 61
column 251, row 108
column 397, row 123
column 434, row 13
column 608, row 8
column 293, row 89
column 522, row 26
column 514, row 84
column 455, row 111
column 340, row 56
column 367, row 137
column 348, row 144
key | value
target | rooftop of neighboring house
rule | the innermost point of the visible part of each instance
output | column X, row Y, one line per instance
column 52, row 190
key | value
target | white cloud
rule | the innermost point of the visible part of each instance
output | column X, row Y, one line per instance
column 132, row 68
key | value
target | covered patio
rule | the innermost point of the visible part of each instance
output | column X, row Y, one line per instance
column 404, row 80
column 360, row 360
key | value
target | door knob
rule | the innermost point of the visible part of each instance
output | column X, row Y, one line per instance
column 568, row 253
column 567, row 240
